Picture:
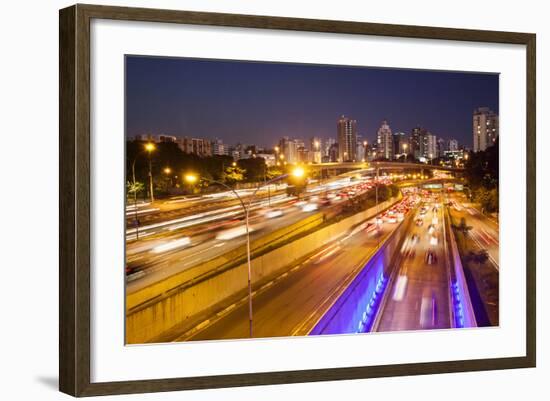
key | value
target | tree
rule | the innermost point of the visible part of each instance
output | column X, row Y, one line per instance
column 273, row 172
column 479, row 257
column 254, row 167
column 463, row 227
column 134, row 188
column 234, row 174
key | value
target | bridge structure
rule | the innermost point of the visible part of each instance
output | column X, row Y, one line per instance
column 380, row 165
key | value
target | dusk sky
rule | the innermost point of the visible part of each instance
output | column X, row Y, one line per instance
column 258, row 103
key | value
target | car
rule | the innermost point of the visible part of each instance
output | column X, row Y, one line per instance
column 433, row 240
column 309, row 207
column 431, row 229
column 431, row 257
column 419, row 222
column 270, row 214
column 392, row 220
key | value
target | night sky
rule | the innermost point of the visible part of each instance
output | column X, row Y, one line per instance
column 257, row 103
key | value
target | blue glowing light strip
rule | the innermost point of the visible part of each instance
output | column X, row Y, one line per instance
column 367, row 318
column 457, row 304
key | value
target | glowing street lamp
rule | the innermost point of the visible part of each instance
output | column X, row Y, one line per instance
column 148, row 147
column 190, row 178
column 298, row 172
column 167, row 170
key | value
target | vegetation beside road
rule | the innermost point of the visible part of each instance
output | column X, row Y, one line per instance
column 482, row 175
column 481, row 277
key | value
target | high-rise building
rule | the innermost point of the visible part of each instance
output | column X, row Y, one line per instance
column 485, row 128
column 453, row 145
column 196, row 146
column 347, row 139
column 237, row 151
column 328, row 143
column 441, row 147
column 428, row 145
column 400, row 144
column 333, row 153
column 385, row 141
column 288, row 149
column 315, row 147
column 417, row 134
column 361, row 153
column 156, row 138
column 219, row 148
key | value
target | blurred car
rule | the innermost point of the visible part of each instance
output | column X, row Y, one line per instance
column 419, row 222
column 431, row 257
column 270, row 214
column 309, row 207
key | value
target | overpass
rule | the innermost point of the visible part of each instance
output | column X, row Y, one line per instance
column 380, row 165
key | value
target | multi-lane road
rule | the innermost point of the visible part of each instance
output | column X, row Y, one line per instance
column 294, row 301
column 176, row 238
column 419, row 295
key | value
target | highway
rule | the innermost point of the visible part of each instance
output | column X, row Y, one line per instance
column 418, row 297
column 172, row 245
column 482, row 278
column 484, row 231
column 294, row 300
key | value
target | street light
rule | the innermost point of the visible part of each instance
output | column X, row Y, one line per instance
column 167, row 170
column 149, row 147
column 405, row 146
column 193, row 178
column 298, row 172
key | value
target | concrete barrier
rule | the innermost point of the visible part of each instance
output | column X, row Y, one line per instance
column 178, row 306
column 153, row 291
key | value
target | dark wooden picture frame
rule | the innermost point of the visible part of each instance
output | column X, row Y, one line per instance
column 74, row 203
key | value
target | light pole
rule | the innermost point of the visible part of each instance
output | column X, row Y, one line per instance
column 149, row 147
column 192, row 178
column 405, row 152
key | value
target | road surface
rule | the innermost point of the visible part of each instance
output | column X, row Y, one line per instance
column 418, row 297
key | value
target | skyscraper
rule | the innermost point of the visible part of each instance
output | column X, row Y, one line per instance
column 400, row 144
column 328, row 143
column 347, row 139
column 453, row 145
column 315, row 146
column 416, row 134
column 288, row 149
column 428, row 145
column 441, row 147
column 485, row 128
column 385, row 141
column 360, row 153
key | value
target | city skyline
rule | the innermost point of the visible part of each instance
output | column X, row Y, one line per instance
column 261, row 102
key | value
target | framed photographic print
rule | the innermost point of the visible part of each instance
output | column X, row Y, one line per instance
column 250, row 200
